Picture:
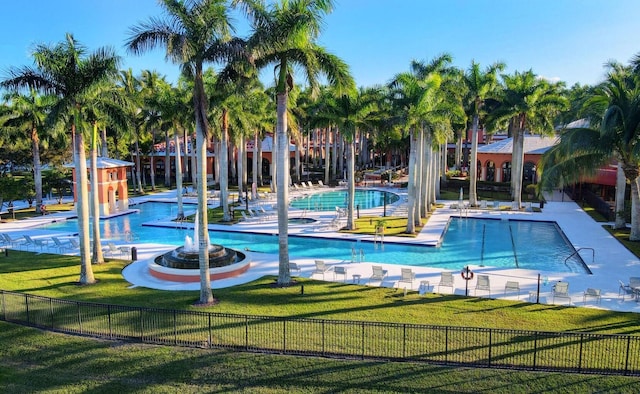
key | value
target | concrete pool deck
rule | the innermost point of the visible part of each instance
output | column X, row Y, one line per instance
column 609, row 262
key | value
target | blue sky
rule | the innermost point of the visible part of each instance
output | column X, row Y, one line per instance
column 568, row 40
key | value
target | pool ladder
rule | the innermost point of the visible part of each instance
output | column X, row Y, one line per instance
column 593, row 257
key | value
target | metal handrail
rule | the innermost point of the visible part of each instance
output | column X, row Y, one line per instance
column 593, row 254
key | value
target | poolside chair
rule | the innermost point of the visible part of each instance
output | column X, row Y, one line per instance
column 595, row 293
column 446, row 280
column 482, row 283
column 42, row 243
column 321, row 184
column 28, row 242
column 483, row 204
column 340, row 271
column 10, row 240
column 62, row 246
column 560, row 290
column 111, row 249
column 378, row 274
column 407, row 276
column 321, row 268
column 624, row 290
column 294, row 267
column 75, row 244
column 512, row 286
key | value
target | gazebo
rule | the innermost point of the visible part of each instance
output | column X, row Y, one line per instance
column 113, row 194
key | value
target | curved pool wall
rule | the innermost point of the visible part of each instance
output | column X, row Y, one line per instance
column 467, row 241
column 329, row 200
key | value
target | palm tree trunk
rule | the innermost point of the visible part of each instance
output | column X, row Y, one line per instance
column 167, row 159
column 86, row 271
column 327, row 152
column 97, row 258
column 411, row 188
column 180, row 214
column 254, row 161
column 152, row 170
column 621, row 184
column 259, row 163
column 282, row 186
column 103, row 138
column 634, row 234
column 138, row 165
column 351, row 192
column 37, row 168
column 206, row 295
column 473, row 163
column 224, row 167
column 334, row 157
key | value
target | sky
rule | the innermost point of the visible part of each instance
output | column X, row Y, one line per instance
column 564, row 40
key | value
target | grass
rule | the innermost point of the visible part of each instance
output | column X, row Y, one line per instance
column 40, row 361
column 35, row 361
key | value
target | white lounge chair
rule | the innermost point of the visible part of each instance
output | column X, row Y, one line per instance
column 10, row 240
column 407, row 276
column 446, row 280
column 321, row 268
column 340, row 271
column 482, row 283
column 111, row 249
column 294, row 267
column 378, row 274
column 512, row 286
column 62, row 246
column 560, row 290
column 28, row 242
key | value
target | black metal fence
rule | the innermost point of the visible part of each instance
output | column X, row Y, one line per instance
column 483, row 347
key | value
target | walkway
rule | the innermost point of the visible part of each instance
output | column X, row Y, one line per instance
column 612, row 261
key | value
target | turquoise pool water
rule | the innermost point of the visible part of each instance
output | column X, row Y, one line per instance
column 500, row 243
column 327, row 201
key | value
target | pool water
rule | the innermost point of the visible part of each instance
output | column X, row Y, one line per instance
column 498, row 243
column 327, row 201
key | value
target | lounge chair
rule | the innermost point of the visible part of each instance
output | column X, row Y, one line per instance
column 62, row 246
column 560, row 290
column 294, row 267
column 340, row 271
column 42, row 243
column 111, row 249
column 595, row 293
column 321, row 268
column 321, row 184
column 446, row 280
column 624, row 290
column 378, row 274
column 28, row 242
column 75, row 244
column 10, row 240
column 512, row 286
column 482, row 283
column 407, row 276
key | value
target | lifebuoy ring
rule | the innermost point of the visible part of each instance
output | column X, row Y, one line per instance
column 466, row 274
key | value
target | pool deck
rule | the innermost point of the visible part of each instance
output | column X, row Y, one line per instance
column 608, row 260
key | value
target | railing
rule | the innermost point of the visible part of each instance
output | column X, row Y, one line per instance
column 482, row 347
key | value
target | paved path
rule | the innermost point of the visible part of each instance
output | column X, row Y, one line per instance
column 612, row 262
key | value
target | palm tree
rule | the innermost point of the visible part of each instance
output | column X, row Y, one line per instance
column 481, row 86
column 66, row 71
column 193, row 33
column 527, row 102
column 284, row 35
column 614, row 135
column 27, row 113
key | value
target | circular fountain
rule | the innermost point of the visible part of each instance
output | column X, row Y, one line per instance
column 183, row 263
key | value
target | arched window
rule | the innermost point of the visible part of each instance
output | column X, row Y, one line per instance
column 491, row 171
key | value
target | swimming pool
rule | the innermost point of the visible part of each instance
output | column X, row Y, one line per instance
column 327, row 201
column 499, row 243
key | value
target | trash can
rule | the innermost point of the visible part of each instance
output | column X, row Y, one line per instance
column 541, row 204
column 134, row 254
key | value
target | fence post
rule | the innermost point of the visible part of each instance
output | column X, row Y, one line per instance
column 535, row 349
column 51, row 311
column 580, row 355
column 323, row 337
column 284, row 335
column 490, row 348
column 109, row 320
column 175, row 327
column 26, row 307
column 404, row 340
column 446, row 344
column 4, row 306
column 79, row 317
column 210, row 333
column 362, row 324
column 246, row 332
column 626, row 361
column 141, row 326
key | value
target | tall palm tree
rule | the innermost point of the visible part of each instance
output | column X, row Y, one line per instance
column 27, row 114
column 284, row 35
column 193, row 33
column 481, row 86
column 131, row 89
column 614, row 135
column 527, row 103
column 67, row 71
